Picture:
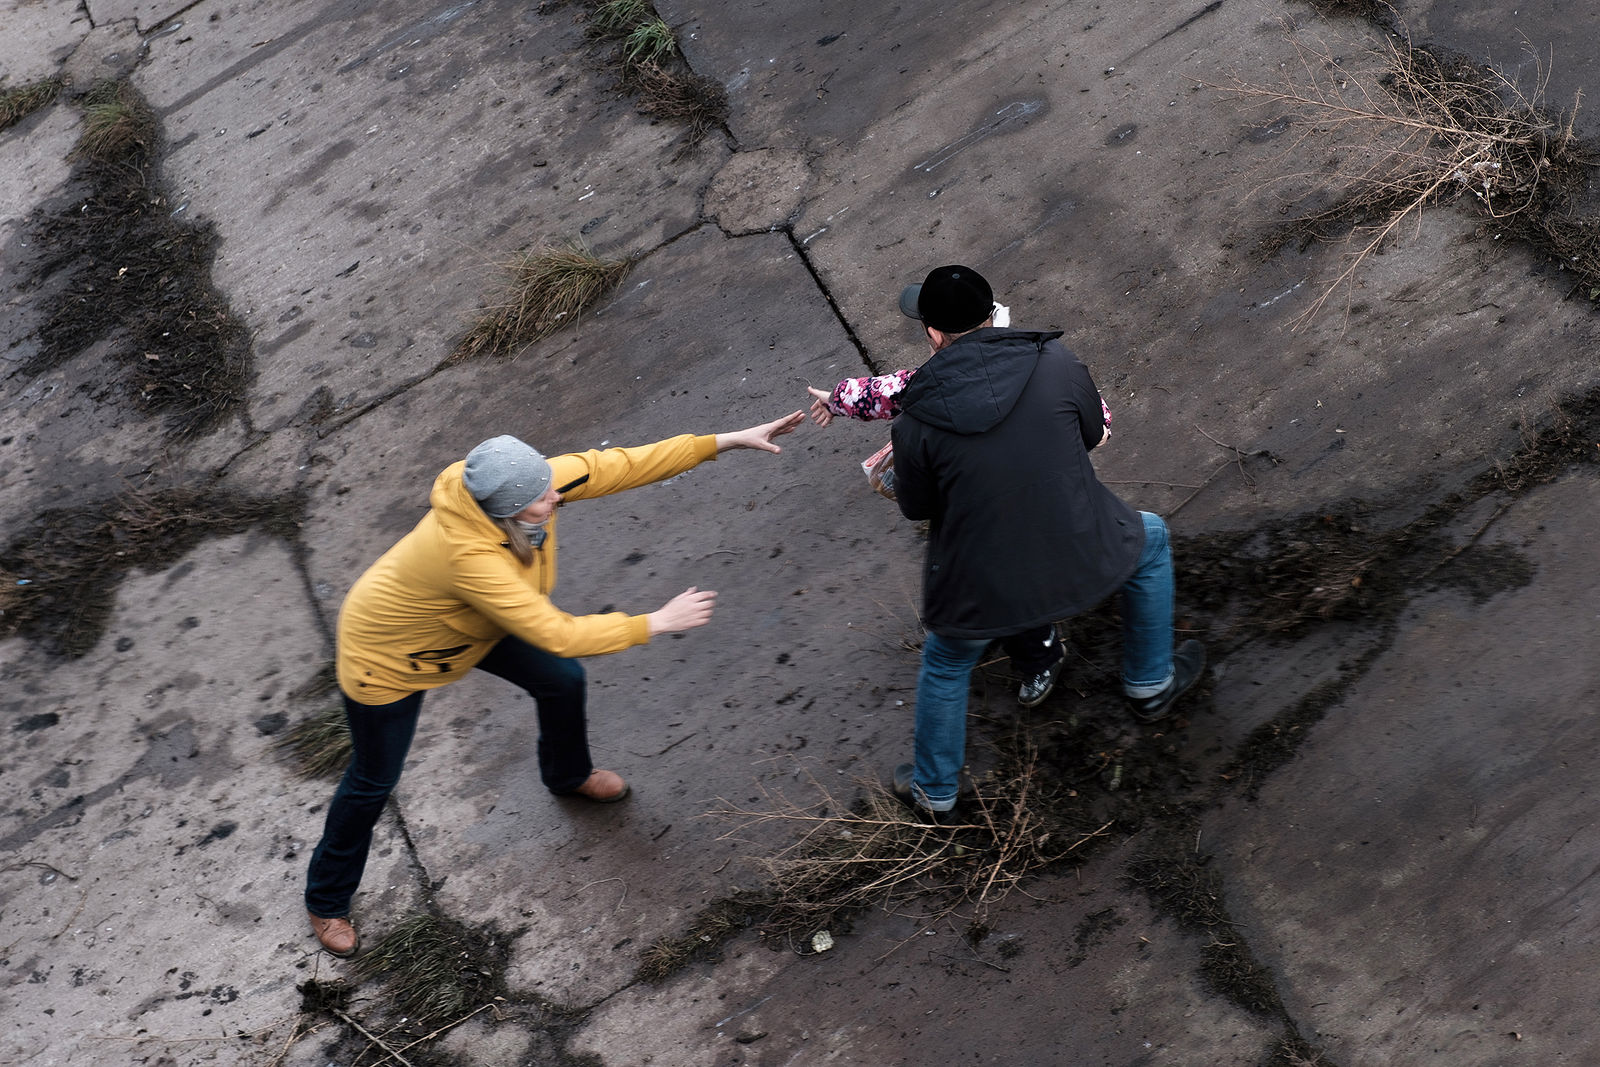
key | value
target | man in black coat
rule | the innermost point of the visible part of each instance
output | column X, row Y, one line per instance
column 991, row 446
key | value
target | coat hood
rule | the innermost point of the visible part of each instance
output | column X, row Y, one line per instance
column 972, row 385
column 461, row 516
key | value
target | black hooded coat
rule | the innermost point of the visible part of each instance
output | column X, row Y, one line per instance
column 992, row 448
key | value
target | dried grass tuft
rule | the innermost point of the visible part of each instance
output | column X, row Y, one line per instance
column 617, row 18
column 546, row 288
column 698, row 103
column 20, row 101
column 320, row 745
column 651, row 41
column 116, row 123
column 653, row 68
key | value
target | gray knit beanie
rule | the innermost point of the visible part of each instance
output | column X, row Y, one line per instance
column 505, row 475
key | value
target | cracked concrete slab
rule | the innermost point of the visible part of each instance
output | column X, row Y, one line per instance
column 413, row 153
column 39, row 36
column 366, row 167
column 1051, row 120
column 139, row 858
column 667, row 355
column 1423, row 866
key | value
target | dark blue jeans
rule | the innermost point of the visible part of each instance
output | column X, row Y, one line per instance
column 381, row 736
column 941, row 716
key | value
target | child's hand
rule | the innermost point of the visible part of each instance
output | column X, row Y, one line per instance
column 819, row 406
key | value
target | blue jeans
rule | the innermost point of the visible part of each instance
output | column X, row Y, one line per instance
column 947, row 662
column 381, row 738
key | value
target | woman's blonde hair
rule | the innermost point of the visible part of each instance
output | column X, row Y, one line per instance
column 516, row 539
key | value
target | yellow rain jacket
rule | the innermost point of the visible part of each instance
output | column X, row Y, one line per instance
column 434, row 605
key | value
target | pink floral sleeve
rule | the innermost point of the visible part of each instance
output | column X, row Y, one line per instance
column 869, row 398
column 877, row 397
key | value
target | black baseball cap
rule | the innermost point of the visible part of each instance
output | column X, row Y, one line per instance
column 951, row 299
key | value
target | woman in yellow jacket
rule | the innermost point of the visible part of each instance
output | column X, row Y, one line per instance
column 470, row 587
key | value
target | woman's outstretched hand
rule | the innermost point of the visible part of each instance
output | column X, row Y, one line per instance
column 760, row 437
column 819, row 406
column 688, row 609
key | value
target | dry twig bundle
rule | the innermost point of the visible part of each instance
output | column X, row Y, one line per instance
column 686, row 99
column 1413, row 128
column 880, row 853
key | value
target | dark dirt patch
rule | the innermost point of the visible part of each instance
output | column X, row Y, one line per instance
column 1354, row 567
column 1277, row 741
column 1485, row 570
column 437, row 969
column 1181, row 884
column 1566, row 439
column 712, row 928
column 1375, row 11
column 435, row 972
column 1092, row 931
column 318, row 996
column 58, row 580
column 114, row 265
column 42, row 721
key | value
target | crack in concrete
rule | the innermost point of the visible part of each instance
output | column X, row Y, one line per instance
column 827, row 294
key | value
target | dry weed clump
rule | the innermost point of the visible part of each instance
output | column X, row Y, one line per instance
column 61, row 576
column 690, row 100
column 653, row 69
column 1412, row 127
column 20, row 101
column 880, row 853
column 546, row 288
column 117, row 123
column 115, row 265
column 436, row 969
column 319, row 746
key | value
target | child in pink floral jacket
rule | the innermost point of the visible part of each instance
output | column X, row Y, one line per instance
column 877, row 397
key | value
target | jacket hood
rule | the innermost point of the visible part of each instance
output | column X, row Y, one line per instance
column 456, row 510
column 972, row 385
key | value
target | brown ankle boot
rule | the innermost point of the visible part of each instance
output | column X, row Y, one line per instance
column 605, row 787
column 336, row 935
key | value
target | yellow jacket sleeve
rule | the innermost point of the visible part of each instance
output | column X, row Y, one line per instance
column 487, row 580
column 611, row 470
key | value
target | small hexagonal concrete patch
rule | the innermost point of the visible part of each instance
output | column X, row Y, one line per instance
column 757, row 191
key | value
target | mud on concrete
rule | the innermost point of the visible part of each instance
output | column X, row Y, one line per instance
column 1345, row 568
column 117, row 265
